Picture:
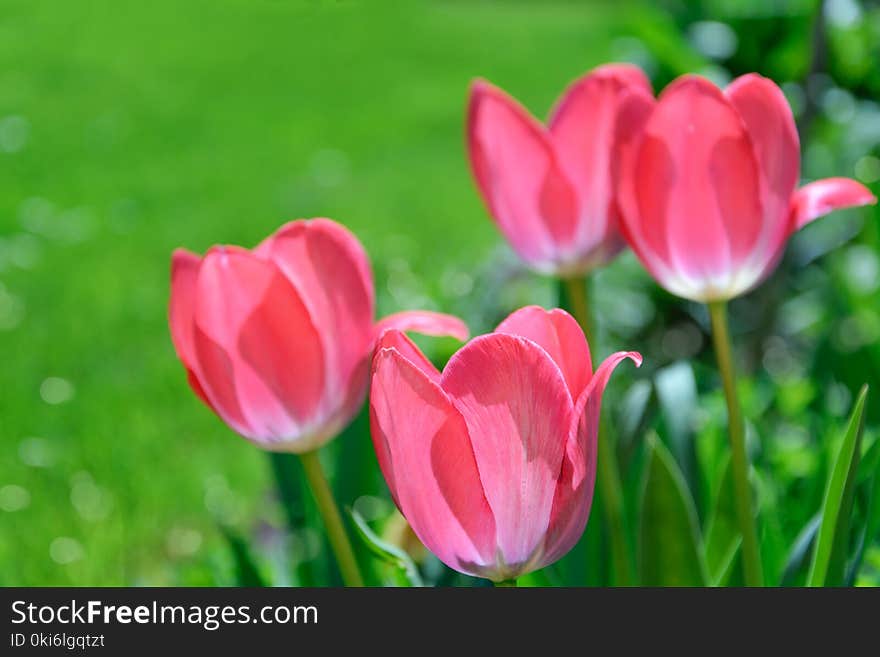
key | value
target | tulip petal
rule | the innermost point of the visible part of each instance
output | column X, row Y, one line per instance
column 574, row 493
column 583, row 129
column 259, row 357
column 280, row 343
column 425, row 455
column 517, row 172
column 559, row 334
column 398, row 340
column 197, row 388
column 184, row 273
column 517, row 408
column 768, row 118
column 424, row 322
column 219, row 388
column 698, row 191
column 823, row 196
column 331, row 274
column 634, row 112
column 572, row 501
column 587, row 406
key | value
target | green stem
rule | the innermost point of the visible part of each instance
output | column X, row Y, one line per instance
column 505, row 583
column 751, row 556
column 577, row 291
column 339, row 543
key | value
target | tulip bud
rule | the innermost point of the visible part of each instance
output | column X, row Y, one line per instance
column 277, row 341
column 493, row 460
column 706, row 184
column 549, row 189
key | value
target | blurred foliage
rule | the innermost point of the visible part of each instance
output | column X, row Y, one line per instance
column 124, row 134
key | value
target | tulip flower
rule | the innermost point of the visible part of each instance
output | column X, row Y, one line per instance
column 707, row 185
column 277, row 341
column 707, row 192
column 551, row 192
column 549, row 189
column 492, row 461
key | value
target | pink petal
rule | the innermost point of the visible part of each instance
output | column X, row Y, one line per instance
column 697, row 188
column 196, row 386
column 629, row 75
column 184, row 272
column 406, row 348
column 574, row 494
column 424, row 322
column 330, row 271
column 517, row 408
column 259, row 357
column 770, row 124
column 517, row 172
column 559, row 334
column 635, row 110
column 572, row 501
column 583, row 129
column 769, row 121
column 425, row 455
column 823, row 196
column 280, row 343
column 216, row 385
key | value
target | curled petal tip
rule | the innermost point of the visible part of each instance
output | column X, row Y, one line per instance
column 425, row 322
column 823, row 196
column 635, row 357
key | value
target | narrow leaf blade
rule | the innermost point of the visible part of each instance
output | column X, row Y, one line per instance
column 722, row 530
column 246, row 571
column 385, row 551
column 670, row 553
column 829, row 555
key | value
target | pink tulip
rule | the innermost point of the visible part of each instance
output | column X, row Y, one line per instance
column 550, row 189
column 707, row 184
column 493, row 460
column 277, row 341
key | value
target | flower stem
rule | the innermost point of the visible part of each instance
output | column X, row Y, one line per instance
column 751, row 556
column 339, row 542
column 577, row 292
column 505, row 583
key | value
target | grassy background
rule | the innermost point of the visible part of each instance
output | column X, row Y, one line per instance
column 131, row 129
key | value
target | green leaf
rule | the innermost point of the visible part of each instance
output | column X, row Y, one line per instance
column 869, row 483
column 830, row 553
column 543, row 578
column 774, row 545
column 353, row 448
column 722, row 530
column 670, row 553
column 869, row 463
column 676, row 387
column 289, row 480
column 800, row 551
column 385, row 551
column 246, row 572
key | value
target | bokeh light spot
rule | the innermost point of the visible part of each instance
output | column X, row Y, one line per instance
column 14, row 498
column 55, row 390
